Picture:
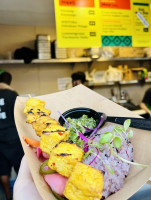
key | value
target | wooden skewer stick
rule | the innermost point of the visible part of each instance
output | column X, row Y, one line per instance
column 29, row 95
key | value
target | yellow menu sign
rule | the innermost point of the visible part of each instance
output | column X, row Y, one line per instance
column 76, row 23
column 95, row 23
column 141, row 23
column 114, row 17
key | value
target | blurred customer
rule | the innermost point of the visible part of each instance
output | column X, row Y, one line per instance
column 11, row 151
column 146, row 102
column 78, row 78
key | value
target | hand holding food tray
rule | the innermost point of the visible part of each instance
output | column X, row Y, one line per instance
column 81, row 96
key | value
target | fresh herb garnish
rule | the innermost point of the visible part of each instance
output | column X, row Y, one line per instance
column 130, row 134
column 80, row 123
column 87, row 153
column 127, row 161
column 112, row 139
column 76, row 139
column 117, row 142
column 106, row 138
column 127, row 124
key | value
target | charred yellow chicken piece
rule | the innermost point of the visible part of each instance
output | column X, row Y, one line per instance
column 54, row 128
column 85, row 183
column 36, row 113
column 51, row 136
column 64, row 157
column 33, row 103
column 42, row 123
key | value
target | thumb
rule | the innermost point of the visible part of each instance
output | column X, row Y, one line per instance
column 24, row 170
column 24, row 187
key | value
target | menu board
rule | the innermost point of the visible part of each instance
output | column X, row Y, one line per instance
column 95, row 23
column 115, row 19
column 142, row 22
column 76, row 23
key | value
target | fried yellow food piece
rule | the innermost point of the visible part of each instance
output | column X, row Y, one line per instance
column 42, row 123
column 64, row 157
column 50, row 138
column 33, row 103
column 54, row 128
column 85, row 183
column 36, row 113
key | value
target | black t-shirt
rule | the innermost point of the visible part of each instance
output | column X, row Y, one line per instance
column 147, row 98
column 7, row 124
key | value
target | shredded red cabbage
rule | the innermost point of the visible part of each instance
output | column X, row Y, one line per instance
column 88, row 129
column 98, row 126
column 83, row 137
column 94, row 157
column 127, row 152
column 64, row 118
column 86, row 147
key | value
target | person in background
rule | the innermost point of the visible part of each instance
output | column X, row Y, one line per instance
column 146, row 102
column 11, row 151
column 78, row 78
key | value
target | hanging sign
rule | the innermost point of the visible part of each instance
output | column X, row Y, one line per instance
column 141, row 24
column 115, row 22
column 95, row 23
column 76, row 23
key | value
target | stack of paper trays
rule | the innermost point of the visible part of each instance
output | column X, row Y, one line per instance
column 43, row 47
column 60, row 52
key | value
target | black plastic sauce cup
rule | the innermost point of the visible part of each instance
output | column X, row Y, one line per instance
column 139, row 123
column 76, row 113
